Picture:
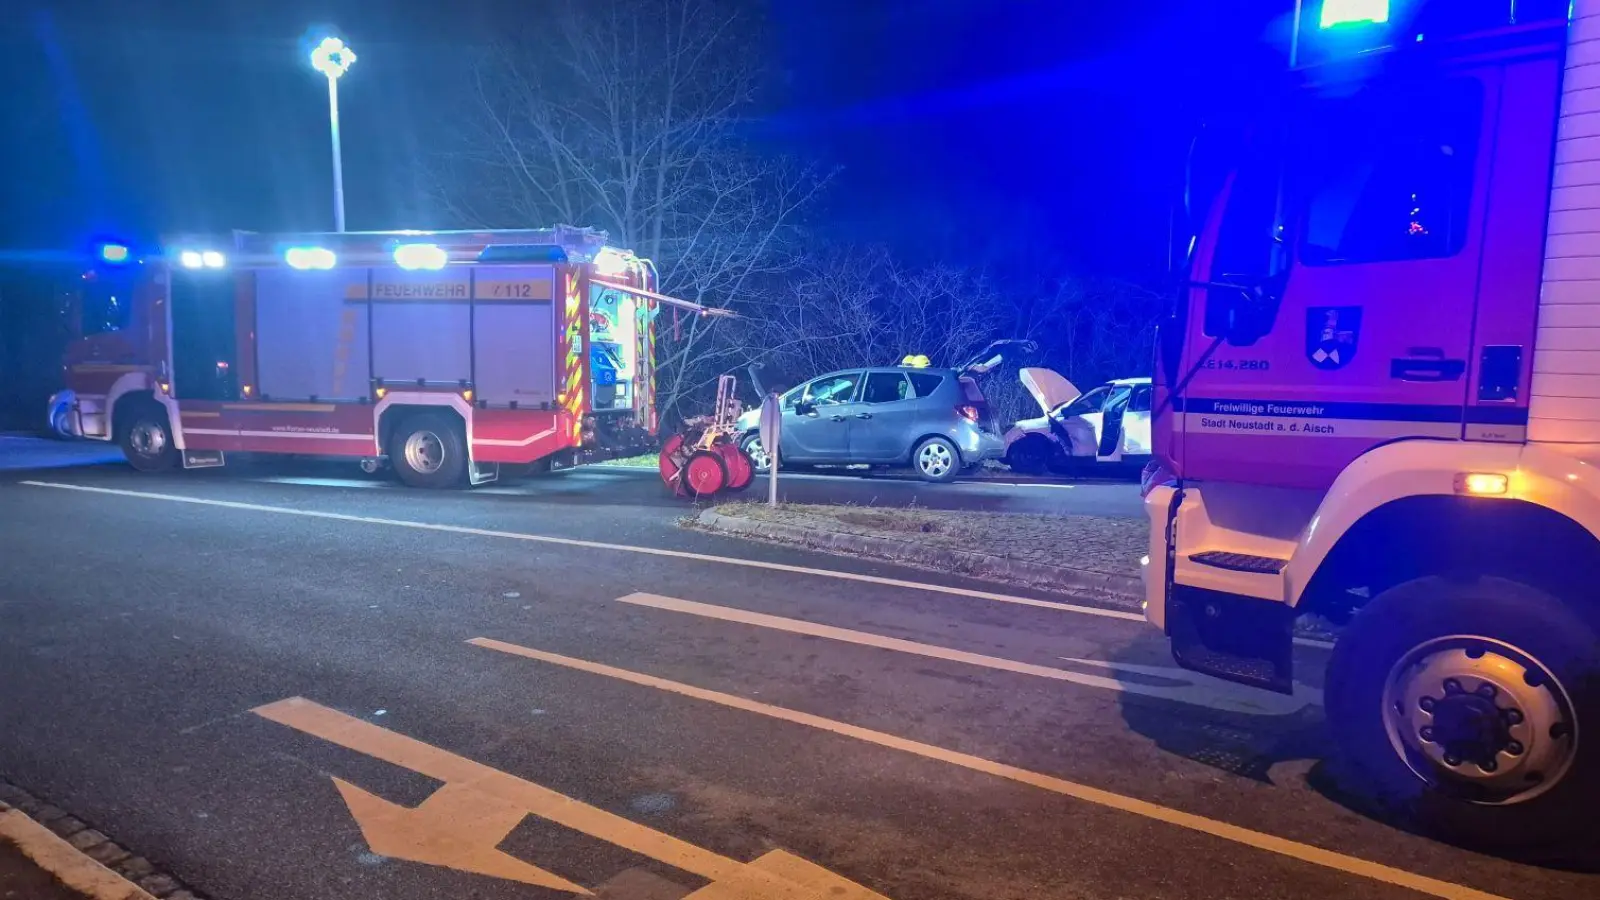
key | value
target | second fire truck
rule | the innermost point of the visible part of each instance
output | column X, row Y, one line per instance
column 442, row 354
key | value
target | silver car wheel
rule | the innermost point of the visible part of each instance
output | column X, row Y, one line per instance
column 758, row 454
column 934, row 459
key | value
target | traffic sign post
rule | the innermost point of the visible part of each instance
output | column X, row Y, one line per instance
column 771, row 432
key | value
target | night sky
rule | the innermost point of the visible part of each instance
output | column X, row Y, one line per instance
column 955, row 123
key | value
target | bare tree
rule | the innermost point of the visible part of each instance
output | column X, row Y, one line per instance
column 632, row 115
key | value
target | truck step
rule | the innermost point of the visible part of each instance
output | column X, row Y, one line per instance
column 1239, row 562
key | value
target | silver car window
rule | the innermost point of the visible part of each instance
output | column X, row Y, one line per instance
column 886, row 387
column 926, row 383
column 833, row 389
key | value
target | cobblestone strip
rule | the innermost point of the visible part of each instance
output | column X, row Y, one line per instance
column 96, row 846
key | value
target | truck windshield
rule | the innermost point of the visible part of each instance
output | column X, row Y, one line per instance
column 1386, row 175
column 107, row 301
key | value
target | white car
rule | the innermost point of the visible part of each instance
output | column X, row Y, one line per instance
column 1110, row 425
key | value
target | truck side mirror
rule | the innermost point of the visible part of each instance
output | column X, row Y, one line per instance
column 1246, row 311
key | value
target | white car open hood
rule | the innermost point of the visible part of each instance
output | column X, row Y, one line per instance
column 1048, row 387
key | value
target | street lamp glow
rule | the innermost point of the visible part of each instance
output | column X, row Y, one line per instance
column 332, row 58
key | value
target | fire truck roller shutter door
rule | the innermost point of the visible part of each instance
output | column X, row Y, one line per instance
column 311, row 334
column 514, row 335
column 422, row 325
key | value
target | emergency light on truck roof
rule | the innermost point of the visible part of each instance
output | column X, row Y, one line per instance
column 115, row 254
column 309, row 258
column 610, row 261
column 1352, row 12
column 202, row 259
column 420, row 256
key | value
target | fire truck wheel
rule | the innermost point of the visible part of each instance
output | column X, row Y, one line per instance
column 428, row 450
column 1474, row 705
column 146, row 439
column 704, row 474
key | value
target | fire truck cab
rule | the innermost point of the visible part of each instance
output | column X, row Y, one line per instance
column 1378, row 402
column 443, row 354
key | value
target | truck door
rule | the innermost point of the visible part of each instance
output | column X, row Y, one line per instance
column 1363, row 334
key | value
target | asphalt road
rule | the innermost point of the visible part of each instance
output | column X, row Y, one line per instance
column 286, row 685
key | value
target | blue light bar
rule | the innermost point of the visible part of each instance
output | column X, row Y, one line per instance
column 1353, row 12
column 420, row 256
column 309, row 258
column 115, row 254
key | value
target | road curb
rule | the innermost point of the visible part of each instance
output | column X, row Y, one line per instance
column 1123, row 590
column 78, row 856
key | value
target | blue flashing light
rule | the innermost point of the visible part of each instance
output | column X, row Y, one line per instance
column 310, row 258
column 115, row 254
column 1353, row 12
column 420, row 256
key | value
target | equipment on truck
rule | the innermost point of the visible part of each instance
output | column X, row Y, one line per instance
column 1377, row 402
column 705, row 458
column 441, row 354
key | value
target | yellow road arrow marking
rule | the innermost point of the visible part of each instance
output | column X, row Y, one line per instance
column 457, row 827
column 460, row 825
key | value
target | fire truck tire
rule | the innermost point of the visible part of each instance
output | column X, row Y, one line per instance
column 428, row 450
column 704, row 474
column 145, row 436
column 1473, row 706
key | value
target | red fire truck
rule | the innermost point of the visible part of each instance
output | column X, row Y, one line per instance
column 442, row 354
column 1379, row 402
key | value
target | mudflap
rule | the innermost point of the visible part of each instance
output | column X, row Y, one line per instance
column 483, row 473
column 1235, row 638
column 203, row 459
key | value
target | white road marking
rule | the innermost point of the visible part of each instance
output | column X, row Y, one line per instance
column 601, row 545
column 1260, row 840
column 1209, row 693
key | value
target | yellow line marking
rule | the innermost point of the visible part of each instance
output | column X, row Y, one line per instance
column 1213, row 695
column 67, row 863
column 201, row 415
column 621, row 548
column 1250, row 838
column 470, row 785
